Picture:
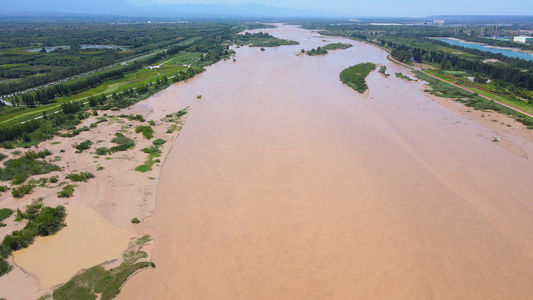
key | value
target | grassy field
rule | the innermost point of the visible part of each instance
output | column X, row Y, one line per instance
column 168, row 67
column 507, row 99
column 443, row 89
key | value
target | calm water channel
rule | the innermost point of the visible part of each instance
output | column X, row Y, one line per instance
column 482, row 47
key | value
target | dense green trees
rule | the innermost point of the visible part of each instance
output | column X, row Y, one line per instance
column 449, row 61
column 22, row 69
column 354, row 76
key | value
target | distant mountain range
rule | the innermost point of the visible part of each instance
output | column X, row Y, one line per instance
column 123, row 8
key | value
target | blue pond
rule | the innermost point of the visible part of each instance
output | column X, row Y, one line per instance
column 482, row 47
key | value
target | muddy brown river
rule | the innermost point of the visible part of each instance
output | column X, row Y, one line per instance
column 285, row 184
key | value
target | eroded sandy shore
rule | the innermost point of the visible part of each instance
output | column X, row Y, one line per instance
column 99, row 216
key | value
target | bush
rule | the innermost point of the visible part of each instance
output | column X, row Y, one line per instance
column 152, row 150
column 83, row 176
column 135, row 221
column 66, row 192
column 159, row 142
column 19, row 178
column 21, row 191
column 42, row 222
column 4, row 267
column 82, row 146
column 54, row 179
column 2, row 156
column 124, row 143
column 50, row 220
column 3, row 188
column 5, row 213
column 28, row 164
column 146, row 131
column 102, row 151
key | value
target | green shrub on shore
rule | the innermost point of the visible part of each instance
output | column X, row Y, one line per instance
column 159, row 142
column 66, row 192
column 102, row 151
column 152, row 150
column 30, row 163
column 21, row 191
column 79, row 177
column 85, row 145
column 105, row 283
column 4, row 214
column 123, row 143
column 146, row 131
column 400, row 75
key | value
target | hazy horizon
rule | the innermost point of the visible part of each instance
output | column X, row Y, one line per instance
column 339, row 8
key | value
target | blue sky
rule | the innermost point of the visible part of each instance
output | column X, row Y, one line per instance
column 400, row 8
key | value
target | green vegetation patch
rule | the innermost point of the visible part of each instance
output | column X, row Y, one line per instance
column 66, row 192
column 4, row 214
column 31, row 163
column 337, row 46
column 21, row 191
column 97, row 282
column 400, row 75
column 354, row 76
column 152, row 150
column 85, row 145
column 42, row 221
column 147, row 131
column 443, row 89
column 123, row 143
column 159, row 142
column 80, row 177
column 261, row 39
column 324, row 50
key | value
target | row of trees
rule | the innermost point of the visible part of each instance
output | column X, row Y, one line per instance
column 37, row 68
column 448, row 61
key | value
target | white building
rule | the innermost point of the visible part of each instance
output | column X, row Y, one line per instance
column 523, row 39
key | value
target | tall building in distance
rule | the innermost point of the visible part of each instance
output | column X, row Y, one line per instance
column 496, row 31
column 483, row 32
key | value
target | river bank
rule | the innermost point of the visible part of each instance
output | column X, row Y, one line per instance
column 99, row 215
column 293, row 187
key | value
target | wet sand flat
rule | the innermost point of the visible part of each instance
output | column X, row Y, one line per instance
column 284, row 184
column 88, row 236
